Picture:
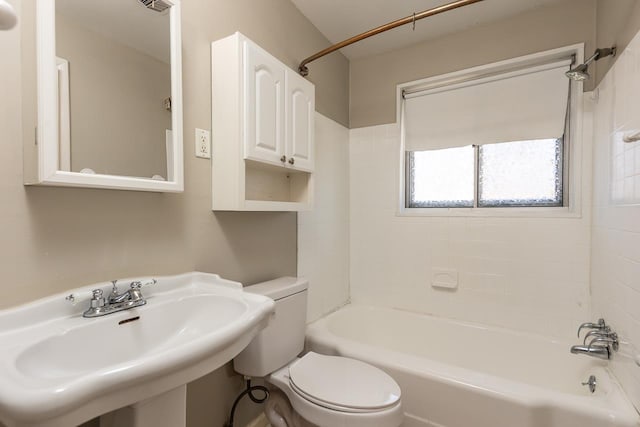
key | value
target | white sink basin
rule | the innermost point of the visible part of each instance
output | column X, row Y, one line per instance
column 59, row 368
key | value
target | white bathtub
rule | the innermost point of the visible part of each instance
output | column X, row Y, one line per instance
column 459, row 374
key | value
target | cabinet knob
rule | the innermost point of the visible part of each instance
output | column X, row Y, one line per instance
column 283, row 159
column 292, row 161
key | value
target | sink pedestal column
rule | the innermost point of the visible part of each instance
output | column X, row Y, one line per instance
column 167, row 409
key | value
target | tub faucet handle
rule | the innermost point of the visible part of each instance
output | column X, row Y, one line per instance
column 609, row 341
column 596, row 333
column 601, row 325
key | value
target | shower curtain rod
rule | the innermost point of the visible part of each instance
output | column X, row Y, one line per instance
column 304, row 71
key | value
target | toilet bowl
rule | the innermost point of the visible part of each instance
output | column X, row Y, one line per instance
column 328, row 391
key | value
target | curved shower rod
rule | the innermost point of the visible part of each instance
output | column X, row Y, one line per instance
column 304, row 71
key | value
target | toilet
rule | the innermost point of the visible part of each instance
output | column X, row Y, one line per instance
column 327, row 391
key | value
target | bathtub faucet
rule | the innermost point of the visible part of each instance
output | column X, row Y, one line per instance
column 602, row 341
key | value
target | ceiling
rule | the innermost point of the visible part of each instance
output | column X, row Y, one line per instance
column 125, row 21
column 340, row 19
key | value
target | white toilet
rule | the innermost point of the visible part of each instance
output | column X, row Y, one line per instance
column 327, row 391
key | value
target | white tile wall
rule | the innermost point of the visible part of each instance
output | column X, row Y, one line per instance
column 530, row 274
column 323, row 233
column 615, row 265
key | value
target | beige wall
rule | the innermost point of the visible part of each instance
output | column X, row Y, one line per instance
column 55, row 238
column 617, row 22
column 278, row 27
column 374, row 79
column 118, row 126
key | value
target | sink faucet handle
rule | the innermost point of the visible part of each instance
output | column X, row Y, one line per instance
column 114, row 288
column 97, row 299
column 138, row 284
column 601, row 325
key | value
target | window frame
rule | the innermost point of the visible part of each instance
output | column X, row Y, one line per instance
column 410, row 203
column 572, row 142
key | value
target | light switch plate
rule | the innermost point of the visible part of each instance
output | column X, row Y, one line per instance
column 203, row 144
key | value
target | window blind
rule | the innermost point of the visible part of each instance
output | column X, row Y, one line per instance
column 526, row 104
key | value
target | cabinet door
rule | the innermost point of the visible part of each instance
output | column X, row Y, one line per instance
column 264, row 104
column 300, row 126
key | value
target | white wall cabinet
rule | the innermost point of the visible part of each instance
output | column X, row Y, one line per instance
column 262, row 130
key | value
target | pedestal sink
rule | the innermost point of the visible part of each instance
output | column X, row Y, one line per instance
column 58, row 368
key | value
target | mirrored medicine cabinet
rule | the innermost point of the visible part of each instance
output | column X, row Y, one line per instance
column 109, row 95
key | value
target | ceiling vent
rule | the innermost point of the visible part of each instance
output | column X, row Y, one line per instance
column 157, row 5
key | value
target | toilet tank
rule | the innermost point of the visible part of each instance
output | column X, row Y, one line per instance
column 283, row 338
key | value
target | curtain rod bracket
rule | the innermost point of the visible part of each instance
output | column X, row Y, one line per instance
column 304, row 71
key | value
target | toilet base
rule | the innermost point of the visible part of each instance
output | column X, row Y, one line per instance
column 279, row 412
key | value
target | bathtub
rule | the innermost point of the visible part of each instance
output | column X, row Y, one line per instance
column 460, row 374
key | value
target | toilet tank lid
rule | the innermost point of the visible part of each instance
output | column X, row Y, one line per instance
column 279, row 288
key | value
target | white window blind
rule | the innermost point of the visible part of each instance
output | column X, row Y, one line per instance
column 527, row 104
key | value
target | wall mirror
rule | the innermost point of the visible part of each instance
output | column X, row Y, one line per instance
column 109, row 94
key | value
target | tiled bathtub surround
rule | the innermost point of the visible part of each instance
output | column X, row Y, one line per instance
column 615, row 265
column 323, row 233
column 530, row 274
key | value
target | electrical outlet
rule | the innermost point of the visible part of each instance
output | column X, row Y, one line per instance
column 203, row 144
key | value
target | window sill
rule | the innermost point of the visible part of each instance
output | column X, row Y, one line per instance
column 541, row 212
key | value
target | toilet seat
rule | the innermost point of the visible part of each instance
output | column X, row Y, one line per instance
column 343, row 384
column 324, row 414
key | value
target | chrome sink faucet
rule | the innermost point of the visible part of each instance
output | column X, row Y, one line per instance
column 116, row 301
column 602, row 341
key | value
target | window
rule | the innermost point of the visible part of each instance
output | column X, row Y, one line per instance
column 441, row 178
column 511, row 174
column 495, row 138
column 523, row 173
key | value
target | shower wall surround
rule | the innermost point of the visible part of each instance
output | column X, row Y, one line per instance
column 323, row 233
column 530, row 274
column 615, row 256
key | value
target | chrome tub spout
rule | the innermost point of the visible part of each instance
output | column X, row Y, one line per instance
column 599, row 351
